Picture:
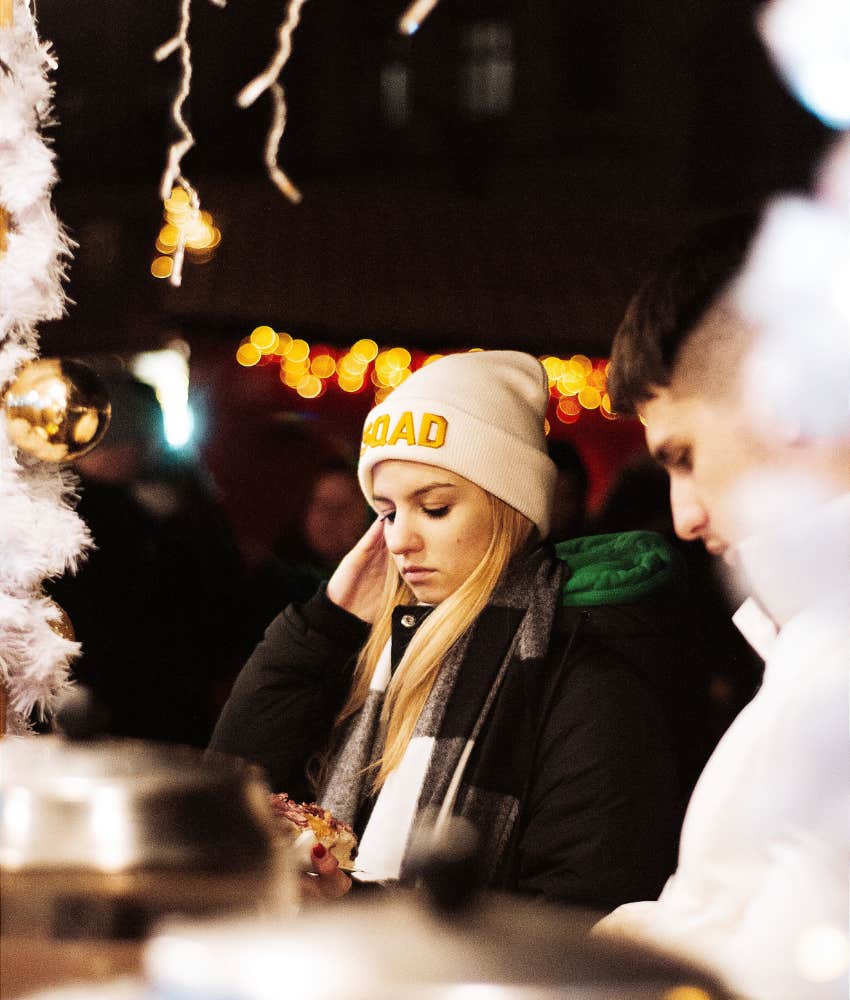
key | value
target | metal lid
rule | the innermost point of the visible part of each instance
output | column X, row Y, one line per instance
column 124, row 805
column 392, row 944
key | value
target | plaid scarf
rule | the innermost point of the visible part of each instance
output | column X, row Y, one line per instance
column 510, row 636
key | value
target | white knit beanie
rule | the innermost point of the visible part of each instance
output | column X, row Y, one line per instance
column 479, row 415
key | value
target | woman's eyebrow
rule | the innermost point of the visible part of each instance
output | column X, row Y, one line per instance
column 417, row 494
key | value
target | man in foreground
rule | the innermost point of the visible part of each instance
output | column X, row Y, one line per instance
column 761, row 889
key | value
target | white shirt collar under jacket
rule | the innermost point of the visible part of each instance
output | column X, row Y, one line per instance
column 387, row 834
column 384, row 840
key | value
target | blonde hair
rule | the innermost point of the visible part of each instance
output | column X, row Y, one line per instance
column 411, row 683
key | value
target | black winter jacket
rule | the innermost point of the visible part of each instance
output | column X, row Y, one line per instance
column 589, row 736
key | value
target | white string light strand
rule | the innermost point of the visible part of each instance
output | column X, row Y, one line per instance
column 269, row 80
column 411, row 20
column 178, row 149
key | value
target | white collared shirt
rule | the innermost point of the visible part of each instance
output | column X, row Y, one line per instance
column 761, row 889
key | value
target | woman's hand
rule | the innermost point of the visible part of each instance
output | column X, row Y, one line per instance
column 358, row 581
column 327, row 881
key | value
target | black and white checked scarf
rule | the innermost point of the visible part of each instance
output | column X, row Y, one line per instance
column 511, row 635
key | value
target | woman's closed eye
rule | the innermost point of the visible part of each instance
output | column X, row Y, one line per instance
column 433, row 512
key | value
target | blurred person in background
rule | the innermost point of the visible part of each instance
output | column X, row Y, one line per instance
column 308, row 550
column 155, row 603
column 761, row 891
column 569, row 508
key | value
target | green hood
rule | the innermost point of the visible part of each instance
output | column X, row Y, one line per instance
column 618, row 568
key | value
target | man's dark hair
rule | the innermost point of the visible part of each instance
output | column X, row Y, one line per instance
column 670, row 304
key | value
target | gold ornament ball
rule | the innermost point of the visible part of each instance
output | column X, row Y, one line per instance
column 56, row 409
column 61, row 623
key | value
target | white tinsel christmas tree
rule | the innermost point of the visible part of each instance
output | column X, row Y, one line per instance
column 40, row 534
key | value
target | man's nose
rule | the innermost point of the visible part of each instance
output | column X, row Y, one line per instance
column 690, row 518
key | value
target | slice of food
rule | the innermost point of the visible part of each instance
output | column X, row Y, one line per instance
column 308, row 823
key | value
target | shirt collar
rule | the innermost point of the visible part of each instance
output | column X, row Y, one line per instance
column 788, row 569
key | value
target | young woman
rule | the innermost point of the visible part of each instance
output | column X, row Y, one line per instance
column 449, row 669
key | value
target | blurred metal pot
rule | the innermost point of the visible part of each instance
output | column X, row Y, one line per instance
column 392, row 944
column 99, row 838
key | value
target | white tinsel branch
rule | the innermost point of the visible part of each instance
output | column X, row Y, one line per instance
column 28, row 645
column 41, row 535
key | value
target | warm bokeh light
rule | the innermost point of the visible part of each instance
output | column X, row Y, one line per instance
column 606, row 409
column 200, row 256
column 299, row 350
column 178, row 202
column 567, row 418
column 383, row 363
column 576, row 383
column 590, row 397
column 554, row 369
column 187, row 227
column 352, row 365
column 264, row 338
column 284, row 342
column 351, row 383
column 568, row 410
column 395, row 378
column 197, row 234
column 161, row 267
column 248, row 354
column 169, row 235
column 309, row 387
column 571, row 382
column 323, row 365
column 297, row 369
column 366, row 349
column 398, row 357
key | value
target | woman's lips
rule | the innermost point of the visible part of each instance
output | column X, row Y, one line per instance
column 415, row 574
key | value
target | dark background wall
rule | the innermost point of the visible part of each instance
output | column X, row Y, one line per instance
column 628, row 121
column 530, row 227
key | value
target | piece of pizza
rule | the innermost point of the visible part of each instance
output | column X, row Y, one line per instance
column 308, row 823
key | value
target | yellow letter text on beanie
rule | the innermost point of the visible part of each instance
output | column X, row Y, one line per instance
column 480, row 415
column 428, row 430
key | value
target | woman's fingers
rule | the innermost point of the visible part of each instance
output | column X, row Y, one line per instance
column 328, row 881
column 357, row 582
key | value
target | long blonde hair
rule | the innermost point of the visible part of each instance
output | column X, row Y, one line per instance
column 411, row 683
